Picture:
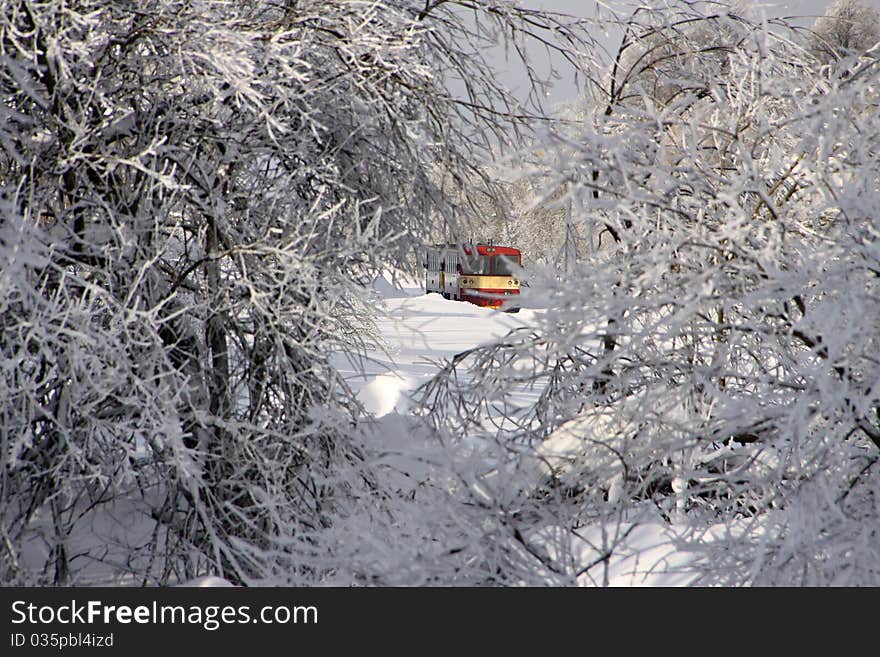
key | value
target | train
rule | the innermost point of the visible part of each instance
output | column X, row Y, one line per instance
column 481, row 274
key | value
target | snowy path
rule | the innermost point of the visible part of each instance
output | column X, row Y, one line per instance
column 419, row 331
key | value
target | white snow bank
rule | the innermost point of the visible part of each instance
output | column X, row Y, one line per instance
column 208, row 581
column 621, row 554
column 386, row 393
column 396, row 285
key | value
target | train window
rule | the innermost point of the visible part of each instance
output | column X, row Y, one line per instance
column 504, row 265
column 477, row 265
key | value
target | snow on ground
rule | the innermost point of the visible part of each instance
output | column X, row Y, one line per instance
column 207, row 582
column 621, row 553
column 420, row 331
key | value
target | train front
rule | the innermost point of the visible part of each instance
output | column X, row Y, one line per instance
column 489, row 275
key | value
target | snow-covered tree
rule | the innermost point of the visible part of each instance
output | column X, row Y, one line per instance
column 192, row 196
column 849, row 27
column 716, row 368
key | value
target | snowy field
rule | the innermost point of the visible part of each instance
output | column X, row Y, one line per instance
column 419, row 332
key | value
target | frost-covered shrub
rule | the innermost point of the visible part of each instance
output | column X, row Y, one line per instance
column 729, row 326
column 194, row 195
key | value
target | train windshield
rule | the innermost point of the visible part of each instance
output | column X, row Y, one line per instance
column 504, row 265
column 477, row 265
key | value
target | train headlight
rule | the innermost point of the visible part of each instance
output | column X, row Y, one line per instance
column 509, row 283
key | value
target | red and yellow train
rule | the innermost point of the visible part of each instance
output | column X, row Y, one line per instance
column 482, row 274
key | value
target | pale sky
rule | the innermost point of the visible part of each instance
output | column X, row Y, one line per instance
column 565, row 89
